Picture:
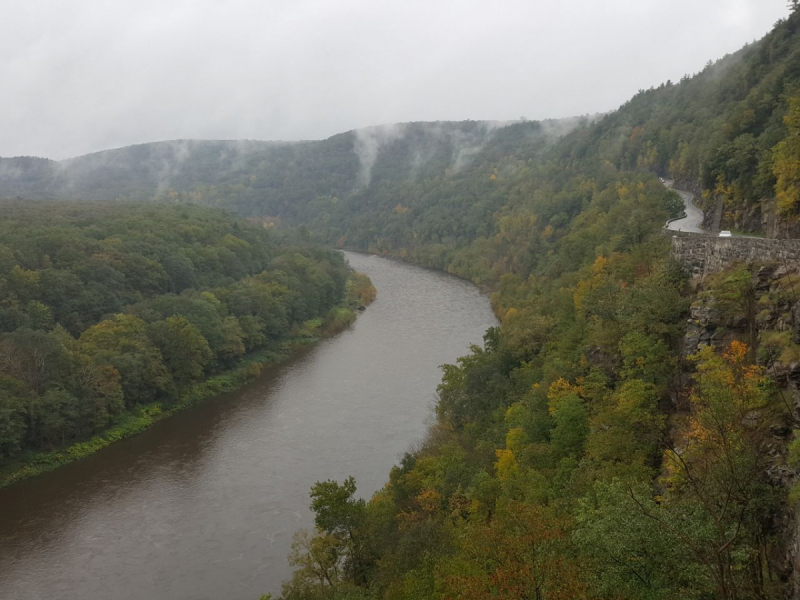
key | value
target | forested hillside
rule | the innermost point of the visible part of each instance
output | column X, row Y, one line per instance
column 588, row 449
column 272, row 178
column 729, row 132
column 107, row 308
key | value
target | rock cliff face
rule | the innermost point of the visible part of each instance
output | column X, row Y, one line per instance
column 702, row 255
column 775, row 225
column 758, row 216
column 774, row 291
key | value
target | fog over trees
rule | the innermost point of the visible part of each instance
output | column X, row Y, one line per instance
column 87, row 75
column 625, row 432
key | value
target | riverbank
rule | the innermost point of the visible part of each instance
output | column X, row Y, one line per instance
column 206, row 504
column 360, row 293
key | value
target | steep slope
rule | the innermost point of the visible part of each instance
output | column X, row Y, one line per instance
column 580, row 453
column 715, row 133
column 584, row 451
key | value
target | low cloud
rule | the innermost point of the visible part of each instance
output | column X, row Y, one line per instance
column 88, row 75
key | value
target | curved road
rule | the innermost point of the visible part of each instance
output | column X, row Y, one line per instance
column 693, row 220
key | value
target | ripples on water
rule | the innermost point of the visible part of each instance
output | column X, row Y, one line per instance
column 204, row 504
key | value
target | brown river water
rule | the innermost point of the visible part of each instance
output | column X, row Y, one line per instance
column 203, row 505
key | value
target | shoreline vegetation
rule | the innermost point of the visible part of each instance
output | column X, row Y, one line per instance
column 113, row 313
column 360, row 293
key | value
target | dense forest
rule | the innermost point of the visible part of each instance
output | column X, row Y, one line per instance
column 257, row 178
column 728, row 132
column 585, row 450
column 588, row 449
column 108, row 308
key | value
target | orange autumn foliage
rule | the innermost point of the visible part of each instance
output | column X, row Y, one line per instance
column 516, row 556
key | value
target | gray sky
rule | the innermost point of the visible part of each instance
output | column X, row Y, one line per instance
column 85, row 75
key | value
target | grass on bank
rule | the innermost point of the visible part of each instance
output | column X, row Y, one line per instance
column 249, row 368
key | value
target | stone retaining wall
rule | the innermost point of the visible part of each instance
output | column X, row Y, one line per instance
column 701, row 254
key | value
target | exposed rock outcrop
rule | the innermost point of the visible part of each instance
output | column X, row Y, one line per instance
column 776, row 291
column 702, row 255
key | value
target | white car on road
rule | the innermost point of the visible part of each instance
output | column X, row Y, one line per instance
column 725, row 233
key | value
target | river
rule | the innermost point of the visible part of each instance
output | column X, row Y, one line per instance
column 203, row 505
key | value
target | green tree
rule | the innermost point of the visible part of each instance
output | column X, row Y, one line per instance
column 630, row 558
column 33, row 357
column 183, row 348
column 319, row 567
column 716, row 482
column 737, row 298
column 786, row 161
column 122, row 343
column 571, row 427
column 60, row 416
column 14, row 399
column 339, row 514
column 233, row 337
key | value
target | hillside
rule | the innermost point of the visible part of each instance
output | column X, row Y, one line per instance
column 271, row 178
column 113, row 314
column 591, row 447
column 717, row 133
column 725, row 133
column 145, row 170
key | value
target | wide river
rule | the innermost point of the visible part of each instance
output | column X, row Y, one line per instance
column 204, row 504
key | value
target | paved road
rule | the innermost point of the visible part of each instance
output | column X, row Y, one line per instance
column 693, row 220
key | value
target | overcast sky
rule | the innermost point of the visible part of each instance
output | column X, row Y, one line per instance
column 78, row 76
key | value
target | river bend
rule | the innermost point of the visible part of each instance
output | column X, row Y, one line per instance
column 204, row 504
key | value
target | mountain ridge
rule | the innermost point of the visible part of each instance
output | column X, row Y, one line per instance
column 337, row 164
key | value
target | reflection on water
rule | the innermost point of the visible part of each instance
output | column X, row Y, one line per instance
column 203, row 505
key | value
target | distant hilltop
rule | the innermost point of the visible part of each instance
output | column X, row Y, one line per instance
column 276, row 172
